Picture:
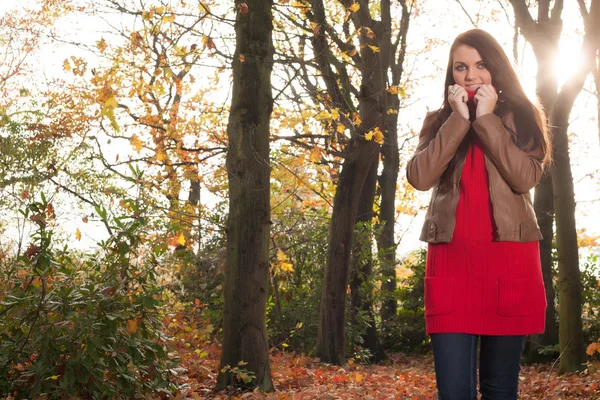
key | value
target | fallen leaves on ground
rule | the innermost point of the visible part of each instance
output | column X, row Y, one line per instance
column 299, row 377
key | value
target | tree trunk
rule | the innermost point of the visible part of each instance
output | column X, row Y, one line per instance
column 361, row 286
column 544, row 35
column 570, row 288
column 569, row 276
column 330, row 332
column 386, row 243
column 248, row 226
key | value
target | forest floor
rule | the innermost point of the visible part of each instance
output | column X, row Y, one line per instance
column 401, row 377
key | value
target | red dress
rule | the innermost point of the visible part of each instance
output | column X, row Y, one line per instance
column 477, row 285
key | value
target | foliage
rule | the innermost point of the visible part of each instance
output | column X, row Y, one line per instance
column 590, row 280
column 406, row 331
column 198, row 276
column 298, row 259
column 83, row 326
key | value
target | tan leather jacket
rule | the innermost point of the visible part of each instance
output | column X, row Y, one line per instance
column 512, row 174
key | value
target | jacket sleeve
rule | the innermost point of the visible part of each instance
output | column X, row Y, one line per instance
column 435, row 150
column 521, row 170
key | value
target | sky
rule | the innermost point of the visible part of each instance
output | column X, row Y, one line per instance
column 450, row 20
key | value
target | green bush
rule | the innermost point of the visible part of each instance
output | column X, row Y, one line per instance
column 298, row 260
column 406, row 331
column 590, row 280
column 84, row 327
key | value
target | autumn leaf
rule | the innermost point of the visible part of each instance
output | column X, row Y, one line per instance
column 242, row 58
column 375, row 49
column 375, row 135
column 77, row 234
column 24, row 194
column 177, row 240
column 243, row 7
column 354, row 7
column 101, row 45
column 136, row 143
column 132, row 326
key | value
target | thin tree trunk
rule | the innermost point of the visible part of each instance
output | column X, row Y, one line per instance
column 386, row 243
column 248, row 227
column 569, row 275
column 361, row 286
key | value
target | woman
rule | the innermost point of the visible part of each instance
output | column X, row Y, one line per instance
column 482, row 152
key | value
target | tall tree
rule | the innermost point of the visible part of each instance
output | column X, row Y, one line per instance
column 379, row 45
column 570, row 289
column 544, row 36
column 248, row 227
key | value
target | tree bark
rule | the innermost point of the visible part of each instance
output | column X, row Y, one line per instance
column 248, row 227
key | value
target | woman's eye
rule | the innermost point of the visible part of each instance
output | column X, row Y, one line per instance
column 481, row 66
column 460, row 68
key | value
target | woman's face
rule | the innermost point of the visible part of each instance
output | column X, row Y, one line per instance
column 468, row 69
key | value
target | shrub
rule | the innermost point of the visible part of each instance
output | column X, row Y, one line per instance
column 86, row 327
column 406, row 331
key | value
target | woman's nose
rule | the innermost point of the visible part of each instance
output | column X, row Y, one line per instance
column 471, row 74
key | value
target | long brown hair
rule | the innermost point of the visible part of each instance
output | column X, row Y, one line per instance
column 530, row 120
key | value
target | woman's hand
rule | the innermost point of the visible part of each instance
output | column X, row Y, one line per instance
column 485, row 98
column 457, row 97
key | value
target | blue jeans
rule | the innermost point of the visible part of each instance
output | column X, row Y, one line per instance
column 455, row 359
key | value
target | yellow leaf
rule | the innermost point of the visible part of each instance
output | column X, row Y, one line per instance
column 354, row 7
column 335, row 113
column 77, row 234
column 358, row 377
column 242, row 58
column 110, row 102
column 132, row 326
column 341, row 128
column 315, row 155
column 101, row 45
column 392, row 89
column 286, row 267
column 375, row 135
column 281, row 256
column 136, row 143
column 375, row 49
column 181, row 239
column 53, row 377
column 66, row 65
column 160, row 10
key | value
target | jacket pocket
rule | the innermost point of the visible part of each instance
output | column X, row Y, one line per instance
column 515, row 297
column 438, row 295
